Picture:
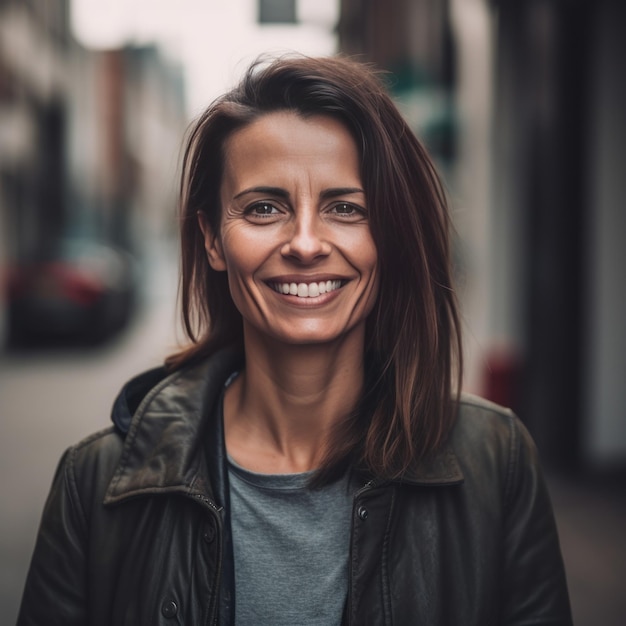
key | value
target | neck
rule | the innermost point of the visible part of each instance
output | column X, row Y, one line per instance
column 281, row 410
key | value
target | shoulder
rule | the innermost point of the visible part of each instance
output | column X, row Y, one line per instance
column 80, row 482
column 490, row 441
column 479, row 420
column 88, row 466
column 475, row 407
column 479, row 417
column 101, row 449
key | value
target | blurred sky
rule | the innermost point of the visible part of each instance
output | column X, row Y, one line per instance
column 214, row 40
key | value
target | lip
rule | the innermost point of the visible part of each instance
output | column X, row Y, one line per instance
column 308, row 278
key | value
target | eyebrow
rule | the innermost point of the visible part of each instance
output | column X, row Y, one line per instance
column 283, row 193
column 340, row 191
column 272, row 191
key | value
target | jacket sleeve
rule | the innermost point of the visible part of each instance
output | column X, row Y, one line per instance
column 55, row 588
column 534, row 586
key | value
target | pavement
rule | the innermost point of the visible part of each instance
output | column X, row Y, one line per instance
column 591, row 518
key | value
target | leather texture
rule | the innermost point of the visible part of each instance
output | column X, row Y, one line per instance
column 135, row 529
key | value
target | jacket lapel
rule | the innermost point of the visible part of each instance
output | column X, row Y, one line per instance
column 163, row 450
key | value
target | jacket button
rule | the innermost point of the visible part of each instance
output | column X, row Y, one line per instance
column 362, row 512
column 209, row 534
column 169, row 609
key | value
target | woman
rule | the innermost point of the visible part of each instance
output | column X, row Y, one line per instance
column 308, row 458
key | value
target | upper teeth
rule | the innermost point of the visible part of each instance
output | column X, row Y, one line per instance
column 304, row 290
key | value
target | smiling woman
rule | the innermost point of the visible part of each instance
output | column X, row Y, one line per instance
column 308, row 457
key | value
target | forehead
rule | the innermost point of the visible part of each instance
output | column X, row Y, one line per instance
column 285, row 143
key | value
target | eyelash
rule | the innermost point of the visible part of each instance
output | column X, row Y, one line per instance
column 355, row 209
column 252, row 209
column 274, row 211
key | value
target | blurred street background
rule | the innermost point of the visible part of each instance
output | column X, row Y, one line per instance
column 522, row 104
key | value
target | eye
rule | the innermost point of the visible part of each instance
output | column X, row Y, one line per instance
column 344, row 209
column 262, row 210
column 348, row 210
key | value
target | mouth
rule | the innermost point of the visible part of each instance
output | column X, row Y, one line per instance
column 307, row 290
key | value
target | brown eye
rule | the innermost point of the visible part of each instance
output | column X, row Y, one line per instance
column 263, row 208
column 345, row 209
column 348, row 210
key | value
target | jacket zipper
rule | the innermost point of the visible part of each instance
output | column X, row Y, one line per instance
column 368, row 486
column 215, row 512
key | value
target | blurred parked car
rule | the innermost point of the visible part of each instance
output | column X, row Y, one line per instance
column 84, row 291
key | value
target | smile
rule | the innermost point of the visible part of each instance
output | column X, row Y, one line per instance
column 306, row 290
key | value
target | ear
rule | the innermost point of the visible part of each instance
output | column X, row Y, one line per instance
column 212, row 244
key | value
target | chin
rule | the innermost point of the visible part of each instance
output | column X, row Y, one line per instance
column 310, row 336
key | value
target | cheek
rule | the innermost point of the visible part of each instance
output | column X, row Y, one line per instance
column 367, row 254
column 243, row 256
column 372, row 258
column 370, row 261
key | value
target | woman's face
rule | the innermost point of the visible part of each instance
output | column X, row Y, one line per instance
column 294, row 237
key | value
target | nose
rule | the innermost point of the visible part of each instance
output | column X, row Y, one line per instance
column 306, row 242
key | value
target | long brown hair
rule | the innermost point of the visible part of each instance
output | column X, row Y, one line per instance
column 413, row 351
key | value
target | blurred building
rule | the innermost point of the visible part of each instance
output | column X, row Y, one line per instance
column 559, row 204
column 89, row 140
column 34, row 76
column 523, row 103
column 413, row 41
column 127, row 120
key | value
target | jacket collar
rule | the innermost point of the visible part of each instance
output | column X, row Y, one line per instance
column 167, row 421
column 440, row 469
column 165, row 439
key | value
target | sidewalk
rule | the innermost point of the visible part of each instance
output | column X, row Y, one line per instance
column 591, row 516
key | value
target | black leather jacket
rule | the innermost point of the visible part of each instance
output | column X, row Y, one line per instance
column 135, row 529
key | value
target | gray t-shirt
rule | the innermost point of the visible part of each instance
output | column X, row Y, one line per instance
column 291, row 546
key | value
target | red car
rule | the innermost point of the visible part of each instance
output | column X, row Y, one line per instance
column 83, row 292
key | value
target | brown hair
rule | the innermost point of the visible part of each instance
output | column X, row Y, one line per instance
column 413, row 351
